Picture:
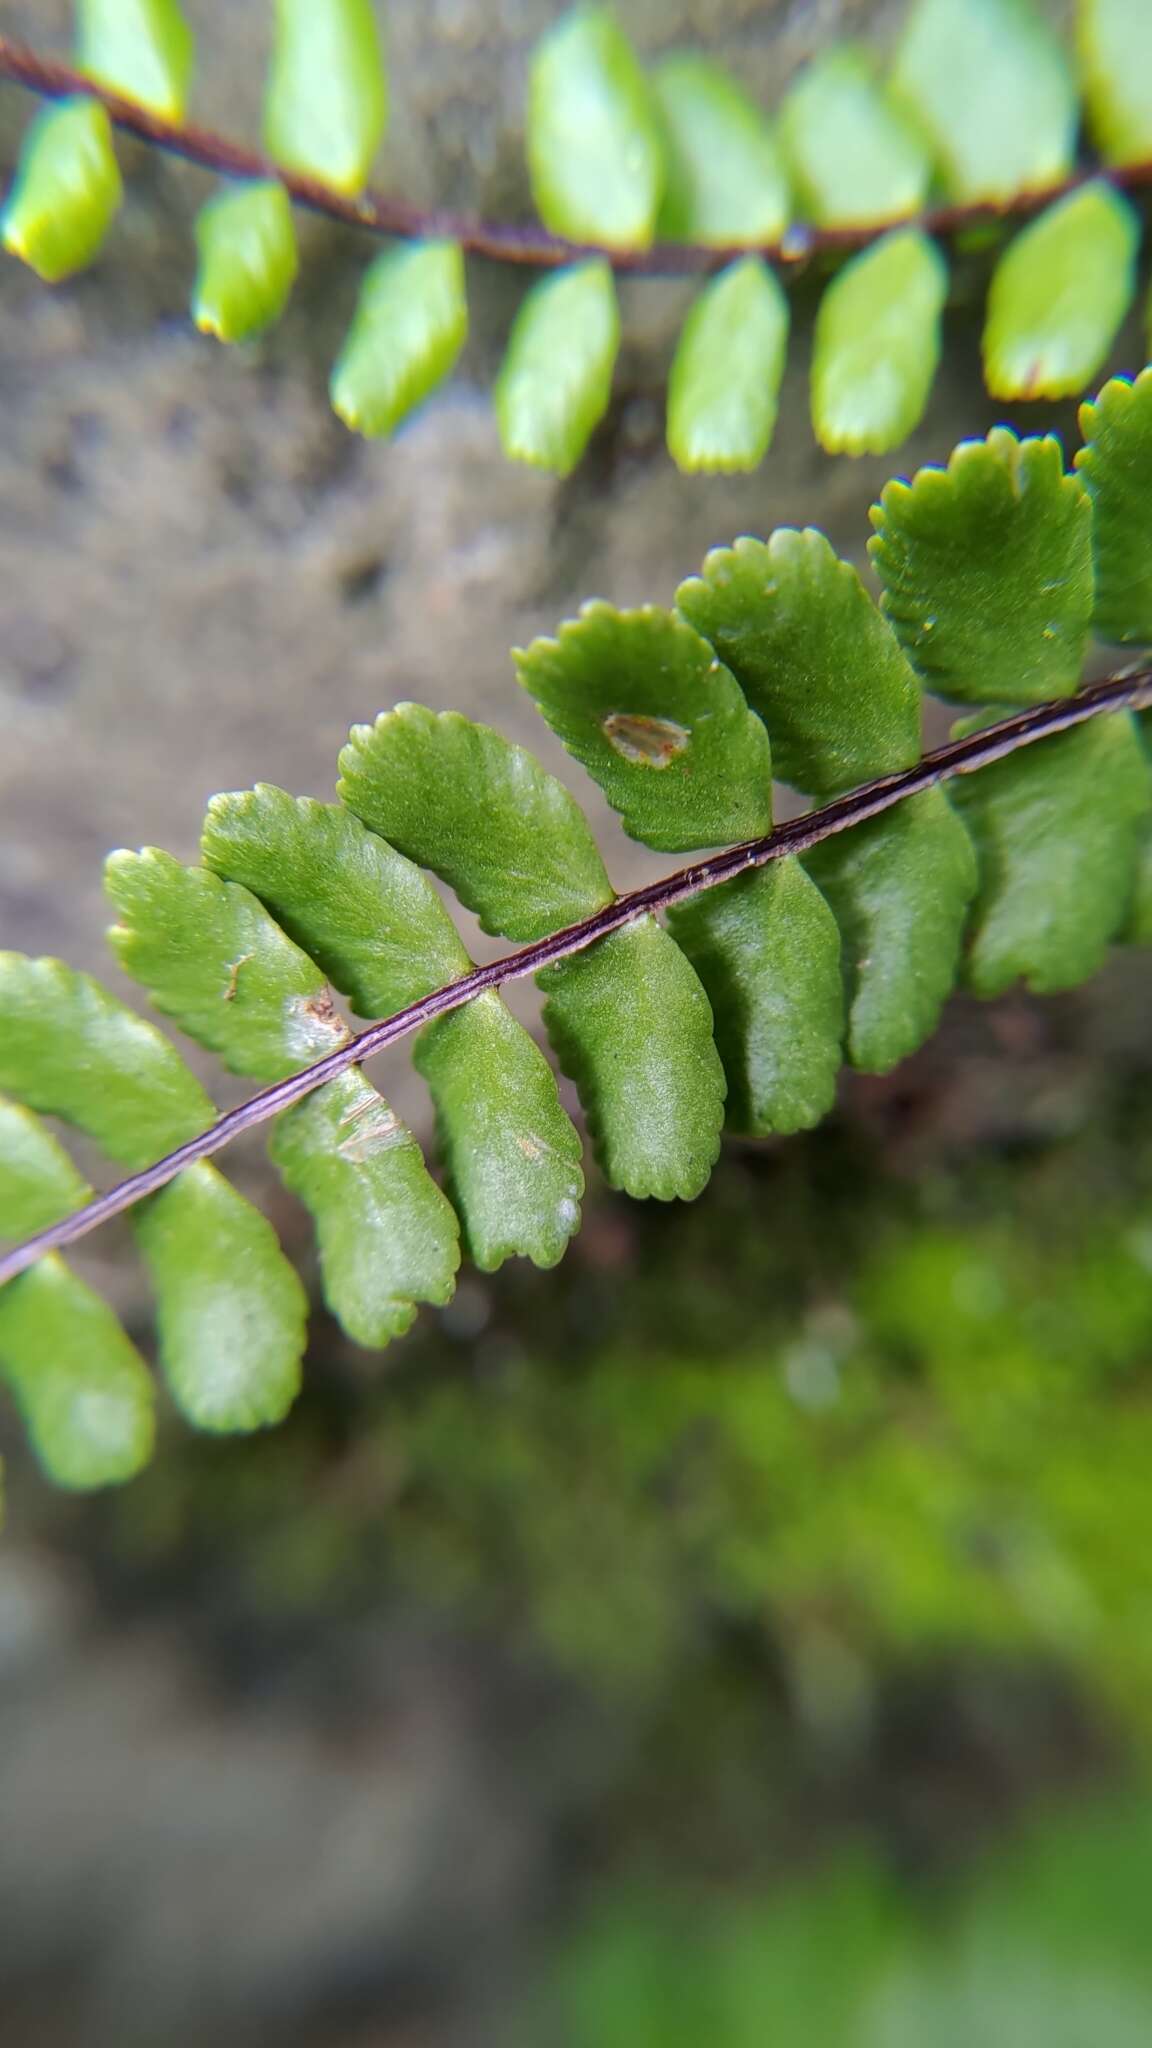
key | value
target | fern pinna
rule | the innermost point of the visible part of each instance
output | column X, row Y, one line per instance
column 674, row 170
column 993, row 572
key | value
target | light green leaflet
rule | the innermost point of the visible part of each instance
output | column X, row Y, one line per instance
column 247, row 245
column 66, row 191
column 851, row 155
column 411, row 323
column 630, row 1023
column 556, row 378
column 130, row 1091
column 482, row 814
column 1058, row 296
column 725, row 179
column 388, row 1238
column 1116, row 465
column 81, row 1386
column 643, row 703
column 593, row 143
column 38, row 1182
column 767, row 950
column 900, row 887
column 141, row 49
column 327, row 101
column 987, row 82
column 878, row 344
column 376, row 925
column 1058, row 830
column 230, row 1311
column 780, row 615
column 724, row 384
column 1114, row 44
column 512, row 1152
column 209, row 955
column 987, row 571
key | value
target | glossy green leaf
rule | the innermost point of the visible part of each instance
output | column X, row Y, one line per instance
column 813, row 657
column 878, row 344
column 555, row 381
column 141, row 49
column 1114, row 43
column 592, row 137
column 631, row 1024
column 69, row 1049
column 388, row 1237
column 643, row 703
column 725, row 180
column 988, row 83
column 369, row 918
column 767, row 950
column 38, row 1182
column 512, row 1152
column 482, row 814
column 209, row 955
column 82, row 1388
column 327, row 100
column 410, row 325
column 724, row 384
column 987, row 570
column 1058, row 295
column 247, row 245
column 66, row 191
column 900, row 887
column 1057, row 828
column 1116, row 465
column 231, row 1312
column 852, row 156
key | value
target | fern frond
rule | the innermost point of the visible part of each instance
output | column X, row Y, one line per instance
column 974, row 122
column 838, row 935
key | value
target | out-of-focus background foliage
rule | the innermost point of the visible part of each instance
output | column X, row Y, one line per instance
column 742, row 1635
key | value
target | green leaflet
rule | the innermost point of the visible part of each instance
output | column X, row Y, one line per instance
column 71, row 1050
column 767, row 950
column 1057, row 829
column 141, row 49
column 987, row 570
column 1114, row 44
column 556, row 378
column 813, row 657
column 630, row 1023
column 987, row 82
column 230, row 1310
column 209, row 955
column 643, row 703
column 66, row 192
column 1058, row 295
column 482, row 814
column 878, row 344
column 852, row 156
column 900, row 887
column 369, row 918
column 38, row 1182
column 512, row 1152
column 1116, row 465
column 725, row 179
column 83, row 1389
column 411, row 323
column 388, row 1238
column 247, row 245
column 592, row 137
column 327, row 100
column 724, row 384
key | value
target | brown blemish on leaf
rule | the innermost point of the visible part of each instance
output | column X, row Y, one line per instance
column 374, row 1126
column 650, row 742
column 234, row 976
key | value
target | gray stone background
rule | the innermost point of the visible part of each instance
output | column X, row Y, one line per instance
column 204, row 580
